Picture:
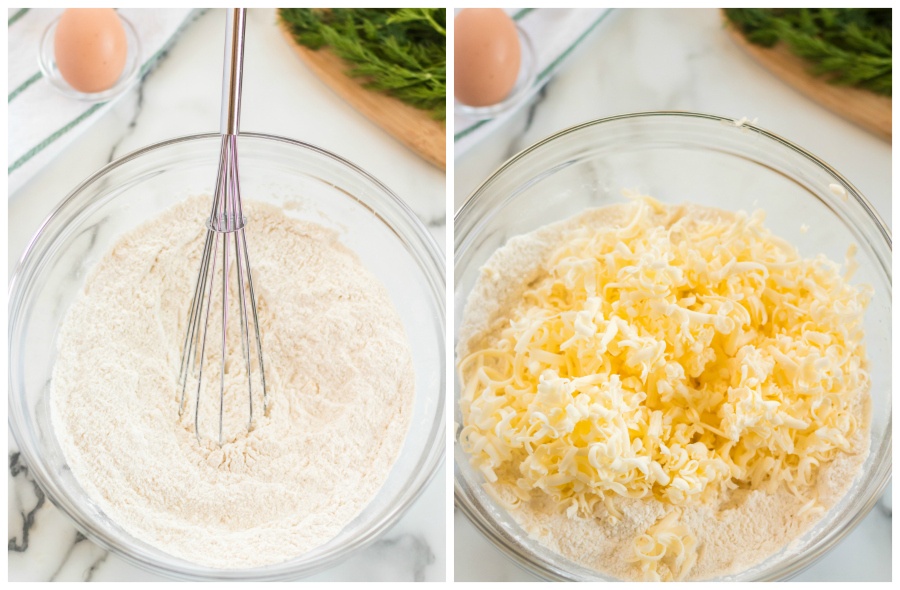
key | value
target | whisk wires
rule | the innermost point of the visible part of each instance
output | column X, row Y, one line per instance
column 225, row 232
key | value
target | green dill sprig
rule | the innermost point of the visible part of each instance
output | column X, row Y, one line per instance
column 399, row 51
column 852, row 46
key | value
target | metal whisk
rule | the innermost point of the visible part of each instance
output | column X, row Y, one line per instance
column 225, row 237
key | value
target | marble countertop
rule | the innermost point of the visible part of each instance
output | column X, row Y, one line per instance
column 648, row 59
column 180, row 97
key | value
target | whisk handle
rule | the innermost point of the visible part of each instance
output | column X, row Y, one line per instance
column 234, row 71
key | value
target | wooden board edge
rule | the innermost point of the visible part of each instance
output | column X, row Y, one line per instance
column 411, row 126
column 870, row 111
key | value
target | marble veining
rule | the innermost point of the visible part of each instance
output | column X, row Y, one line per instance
column 532, row 110
column 77, row 545
column 132, row 124
column 180, row 96
column 22, row 482
column 415, row 548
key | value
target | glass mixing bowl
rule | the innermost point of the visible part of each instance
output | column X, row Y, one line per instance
column 711, row 161
column 309, row 183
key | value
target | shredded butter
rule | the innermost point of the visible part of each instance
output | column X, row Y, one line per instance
column 673, row 356
column 667, row 551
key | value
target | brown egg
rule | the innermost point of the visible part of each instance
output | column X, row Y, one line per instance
column 486, row 54
column 90, row 48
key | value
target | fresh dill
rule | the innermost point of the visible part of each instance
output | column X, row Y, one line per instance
column 852, row 46
column 401, row 51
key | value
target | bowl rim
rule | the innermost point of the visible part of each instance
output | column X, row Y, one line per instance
column 464, row 210
column 470, row 507
column 431, row 460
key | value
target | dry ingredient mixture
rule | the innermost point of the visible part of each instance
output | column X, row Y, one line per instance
column 338, row 371
column 664, row 393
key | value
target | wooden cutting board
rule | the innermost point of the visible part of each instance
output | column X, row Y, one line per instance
column 868, row 110
column 413, row 127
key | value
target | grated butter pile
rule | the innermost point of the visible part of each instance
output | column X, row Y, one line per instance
column 675, row 355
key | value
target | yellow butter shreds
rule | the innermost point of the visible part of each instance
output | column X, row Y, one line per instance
column 667, row 551
column 675, row 356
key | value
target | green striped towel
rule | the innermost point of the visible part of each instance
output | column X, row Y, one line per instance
column 554, row 33
column 41, row 120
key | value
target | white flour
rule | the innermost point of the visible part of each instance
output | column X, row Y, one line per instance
column 339, row 376
column 739, row 531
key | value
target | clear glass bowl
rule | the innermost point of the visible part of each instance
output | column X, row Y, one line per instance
column 309, row 183
column 712, row 161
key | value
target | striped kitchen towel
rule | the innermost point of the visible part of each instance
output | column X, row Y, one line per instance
column 554, row 33
column 42, row 121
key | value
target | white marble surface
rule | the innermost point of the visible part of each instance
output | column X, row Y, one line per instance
column 180, row 97
column 647, row 59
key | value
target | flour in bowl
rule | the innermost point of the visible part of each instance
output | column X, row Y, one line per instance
column 338, row 372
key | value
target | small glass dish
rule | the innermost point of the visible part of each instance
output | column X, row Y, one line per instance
column 47, row 63
column 519, row 93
